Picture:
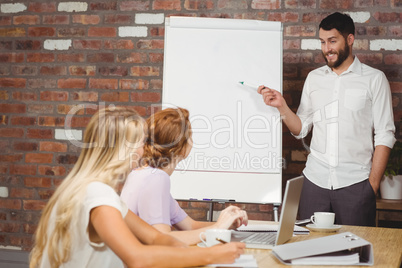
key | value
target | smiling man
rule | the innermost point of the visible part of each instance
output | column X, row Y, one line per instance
column 348, row 107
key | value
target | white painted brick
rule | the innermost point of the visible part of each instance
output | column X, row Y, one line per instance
column 4, row 192
column 359, row 17
column 310, row 44
column 72, row 6
column 68, row 134
column 386, row 44
column 12, row 8
column 147, row 18
column 60, row 44
column 129, row 31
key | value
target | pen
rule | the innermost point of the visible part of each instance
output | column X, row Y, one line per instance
column 220, row 240
column 249, row 85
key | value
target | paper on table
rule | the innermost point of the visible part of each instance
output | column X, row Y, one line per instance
column 245, row 260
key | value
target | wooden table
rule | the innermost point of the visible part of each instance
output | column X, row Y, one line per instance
column 389, row 211
column 387, row 246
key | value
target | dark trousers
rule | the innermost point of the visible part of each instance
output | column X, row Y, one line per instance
column 352, row 205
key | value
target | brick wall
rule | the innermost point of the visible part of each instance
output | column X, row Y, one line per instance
column 57, row 57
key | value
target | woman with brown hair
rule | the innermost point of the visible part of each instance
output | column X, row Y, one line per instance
column 147, row 189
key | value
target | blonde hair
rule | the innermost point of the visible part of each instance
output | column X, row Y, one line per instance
column 168, row 134
column 111, row 137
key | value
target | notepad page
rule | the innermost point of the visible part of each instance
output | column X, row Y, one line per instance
column 268, row 228
column 245, row 260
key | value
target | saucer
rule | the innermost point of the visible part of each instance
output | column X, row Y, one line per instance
column 201, row 245
column 314, row 228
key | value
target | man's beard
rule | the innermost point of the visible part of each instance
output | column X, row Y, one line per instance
column 343, row 54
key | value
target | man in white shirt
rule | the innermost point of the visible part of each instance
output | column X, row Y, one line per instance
column 349, row 107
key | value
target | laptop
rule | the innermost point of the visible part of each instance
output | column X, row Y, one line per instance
column 269, row 239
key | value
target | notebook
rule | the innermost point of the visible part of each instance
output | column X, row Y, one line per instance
column 280, row 234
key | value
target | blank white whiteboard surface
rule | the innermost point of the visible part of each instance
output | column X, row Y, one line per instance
column 237, row 152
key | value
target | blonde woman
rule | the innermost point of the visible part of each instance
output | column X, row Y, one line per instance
column 85, row 224
column 147, row 189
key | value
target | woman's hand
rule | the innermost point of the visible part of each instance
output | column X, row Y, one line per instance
column 227, row 253
column 231, row 218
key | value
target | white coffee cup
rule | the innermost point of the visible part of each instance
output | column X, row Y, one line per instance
column 323, row 219
column 210, row 236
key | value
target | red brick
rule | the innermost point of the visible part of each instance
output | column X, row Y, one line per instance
column 134, row 6
column 24, row 70
column 45, row 193
column 42, row 7
column 40, row 57
column 41, row 31
column 330, row 4
column 6, row 158
column 37, row 182
column 67, row 159
column 23, row 169
column 166, row 5
column 264, row 4
column 283, row 17
column 146, row 97
column 145, row 71
column 5, row 20
column 40, row 108
column 101, row 57
column 118, row 44
column 26, row 19
column 70, row 58
column 51, row 121
column 86, row 19
column 115, row 96
column 42, row 83
column 33, row 204
column 103, row 83
column 28, row 228
column 385, row 17
column 396, row 87
column 370, row 59
column 13, row 82
column 79, row 122
column 12, row 108
column 91, row 96
column 50, row 146
column 10, row 227
column 72, row 83
column 150, row 44
column 300, row 30
column 199, row 4
column 65, row 109
column 118, row 18
column 24, row 96
column 22, row 193
column 71, row 32
column 38, row 158
column 12, row 32
column 129, row 84
column 51, row 171
column 27, row 44
column 391, row 59
column 53, row 96
column 11, row 57
column 56, row 19
column 113, row 71
column 108, row 5
column 156, row 57
column 25, row 146
column 87, row 44
column 53, row 70
column 82, row 70
column 156, row 84
column 40, row 134
column 102, row 32
column 11, row 132
column 157, row 31
column 23, row 120
column 134, row 57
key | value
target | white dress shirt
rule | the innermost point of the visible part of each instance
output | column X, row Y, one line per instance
column 350, row 114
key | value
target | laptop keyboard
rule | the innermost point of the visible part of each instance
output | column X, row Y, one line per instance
column 261, row 238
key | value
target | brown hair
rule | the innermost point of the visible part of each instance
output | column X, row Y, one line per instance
column 168, row 134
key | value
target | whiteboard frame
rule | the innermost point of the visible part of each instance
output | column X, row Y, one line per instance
column 203, row 184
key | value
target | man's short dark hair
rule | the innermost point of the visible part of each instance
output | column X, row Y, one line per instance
column 342, row 22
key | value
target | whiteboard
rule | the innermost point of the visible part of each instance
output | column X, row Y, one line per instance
column 237, row 151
